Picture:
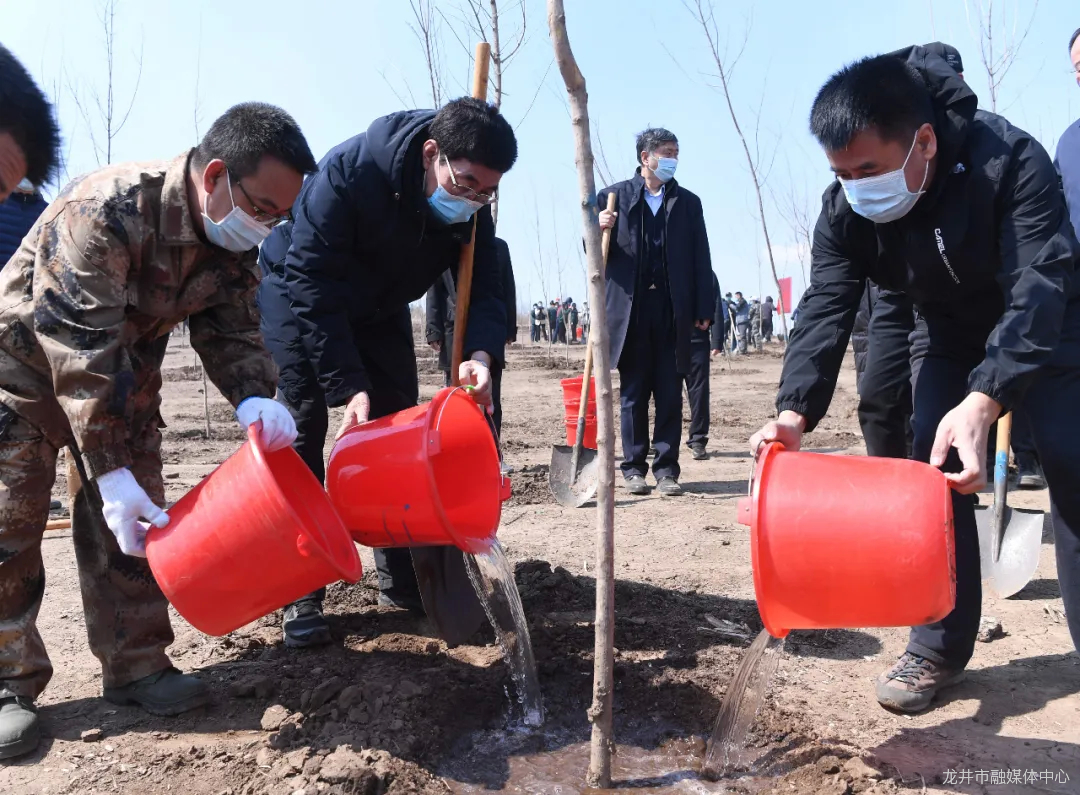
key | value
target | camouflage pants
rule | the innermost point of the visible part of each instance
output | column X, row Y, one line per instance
column 127, row 618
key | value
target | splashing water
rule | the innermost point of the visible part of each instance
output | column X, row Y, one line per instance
column 492, row 578
column 741, row 704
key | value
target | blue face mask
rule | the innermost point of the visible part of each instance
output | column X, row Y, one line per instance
column 665, row 168
column 451, row 209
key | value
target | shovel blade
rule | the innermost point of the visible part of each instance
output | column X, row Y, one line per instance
column 450, row 602
column 1021, row 545
column 572, row 489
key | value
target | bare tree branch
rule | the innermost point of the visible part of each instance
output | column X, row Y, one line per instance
column 703, row 12
column 426, row 32
column 1008, row 39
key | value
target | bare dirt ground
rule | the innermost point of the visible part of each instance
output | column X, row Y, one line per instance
column 389, row 709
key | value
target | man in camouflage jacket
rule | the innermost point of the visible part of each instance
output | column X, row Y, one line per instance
column 86, row 306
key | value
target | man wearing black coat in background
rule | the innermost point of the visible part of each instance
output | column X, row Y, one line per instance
column 659, row 289
column 703, row 343
column 380, row 222
column 441, row 304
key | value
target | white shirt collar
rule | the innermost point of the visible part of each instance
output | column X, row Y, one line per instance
column 654, row 202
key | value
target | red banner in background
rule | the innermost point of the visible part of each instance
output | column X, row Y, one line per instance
column 785, row 294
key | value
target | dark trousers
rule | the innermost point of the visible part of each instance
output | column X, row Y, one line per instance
column 885, row 402
column 386, row 349
column 697, row 388
column 942, row 385
column 766, row 329
column 647, row 370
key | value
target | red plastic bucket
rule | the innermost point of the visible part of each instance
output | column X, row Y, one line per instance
column 846, row 541
column 256, row 534
column 571, row 388
column 428, row 475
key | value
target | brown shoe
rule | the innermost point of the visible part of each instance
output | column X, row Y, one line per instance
column 911, row 684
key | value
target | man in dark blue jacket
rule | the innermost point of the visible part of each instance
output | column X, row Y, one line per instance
column 29, row 137
column 659, row 288
column 383, row 218
column 17, row 214
column 960, row 211
column 1068, row 148
column 703, row 342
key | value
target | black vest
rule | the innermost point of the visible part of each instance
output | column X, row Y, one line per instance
column 652, row 272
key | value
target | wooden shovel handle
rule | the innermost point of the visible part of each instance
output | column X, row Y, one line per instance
column 465, row 262
column 605, row 246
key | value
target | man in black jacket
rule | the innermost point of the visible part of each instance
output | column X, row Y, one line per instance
column 659, row 288
column 383, row 218
column 697, row 380
column 962, row 212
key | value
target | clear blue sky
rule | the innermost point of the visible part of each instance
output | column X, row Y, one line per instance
column 337, row 65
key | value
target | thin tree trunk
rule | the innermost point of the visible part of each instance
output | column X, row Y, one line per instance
column 599, row 713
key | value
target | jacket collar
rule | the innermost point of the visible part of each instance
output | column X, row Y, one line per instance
column 637, row 188
column 177, row 227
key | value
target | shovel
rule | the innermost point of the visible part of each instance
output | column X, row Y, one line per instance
column 1010, row 539
column 573, row 474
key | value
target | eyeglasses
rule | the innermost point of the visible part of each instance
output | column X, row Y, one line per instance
column 465, row 191
column 266, row 219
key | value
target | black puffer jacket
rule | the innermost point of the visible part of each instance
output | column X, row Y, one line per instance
column 365, row 244
column 987, row 256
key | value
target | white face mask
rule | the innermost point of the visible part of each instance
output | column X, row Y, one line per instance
column 237, row 231
column 886, row 197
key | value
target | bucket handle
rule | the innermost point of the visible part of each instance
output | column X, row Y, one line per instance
column 504, row 482
column 754, row 465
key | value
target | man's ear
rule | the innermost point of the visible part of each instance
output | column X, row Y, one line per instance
column 430, row 151
column 214, row 171
column 928, row 141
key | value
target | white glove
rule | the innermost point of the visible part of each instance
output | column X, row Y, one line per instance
column 123, row 502
column 278, row 426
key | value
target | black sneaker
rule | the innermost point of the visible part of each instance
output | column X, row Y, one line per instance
column 635, row 484
column 1029, row 475
column 668, row 487
column 911, row 684
column 20, row 730
column 167, row 692
column 413, row 603
column 304, row 625
column 697, row 451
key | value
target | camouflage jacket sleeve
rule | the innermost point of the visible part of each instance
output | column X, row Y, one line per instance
column 80, row 278
column 227, row 338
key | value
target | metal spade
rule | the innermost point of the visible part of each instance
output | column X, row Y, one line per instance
column 1010, row 539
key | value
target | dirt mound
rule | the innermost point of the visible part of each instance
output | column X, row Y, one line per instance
column 530, row 486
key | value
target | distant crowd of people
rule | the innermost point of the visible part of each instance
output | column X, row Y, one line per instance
column 559, row 321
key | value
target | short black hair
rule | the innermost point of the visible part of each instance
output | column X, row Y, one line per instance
column 247, row 132
column 472, row 129
column 882, row 93
column 1072, row 41
column 651, row 139
column 25, row 113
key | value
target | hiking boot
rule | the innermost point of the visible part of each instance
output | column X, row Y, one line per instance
column 911, row 684
column 1029, row 475
column 304, row 625
column 635, row 484
column 167, row 692
column 20, row 730
column 413, row 603
column 697, row 451
column 668, row 487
